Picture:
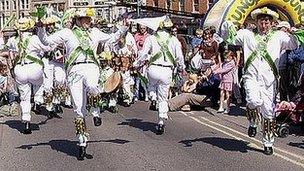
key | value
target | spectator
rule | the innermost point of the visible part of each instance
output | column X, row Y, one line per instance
column 196, row 41
column 226, row 72
column 175, row 32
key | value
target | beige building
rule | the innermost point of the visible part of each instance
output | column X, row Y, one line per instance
column 9, row 8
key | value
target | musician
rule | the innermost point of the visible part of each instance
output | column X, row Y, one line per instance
column 163, row 52
column 82, row 67
column 126, row 51
column 29, row 67
column 105, row 72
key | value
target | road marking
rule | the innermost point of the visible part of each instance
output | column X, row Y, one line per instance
column 254, row 139
column 299, row 163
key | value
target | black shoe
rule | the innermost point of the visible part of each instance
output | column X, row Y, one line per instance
column 252, row 131
column 125, row 104
column 113, row 109
column 58, row 109
column 268, row 150
column 83, row 154
column 160, row 129
column 27, row 128
column 67, row 106
column 97, row 120
column 153, row 105
column 53, row 114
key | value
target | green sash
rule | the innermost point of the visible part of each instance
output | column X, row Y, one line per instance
column 262, row 51
column 23, row 45
column 164, row 51
column 84, row 47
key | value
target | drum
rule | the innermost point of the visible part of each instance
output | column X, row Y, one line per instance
column 113, row 83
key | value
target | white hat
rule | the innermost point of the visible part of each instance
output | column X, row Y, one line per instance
column 284, row 24
column 264, row 10
column 86, row 12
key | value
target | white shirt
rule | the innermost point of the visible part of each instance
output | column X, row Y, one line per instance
column 151, row 47
column 35, row 46
column 71, row 42
column 278, row 42
column 12, row 44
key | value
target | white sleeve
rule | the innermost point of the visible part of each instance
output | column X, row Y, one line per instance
column 103, row 37
column 57, row 38
column 37, row 44
column 288, row 41
column 179, row 55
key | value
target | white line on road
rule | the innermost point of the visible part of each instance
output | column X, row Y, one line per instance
column 299, row 163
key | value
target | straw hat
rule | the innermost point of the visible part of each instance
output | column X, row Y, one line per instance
column 51, row 20
column 24, row 24
column 85, row 12
column 167, row 23
column 68, row 15
column 265, row 11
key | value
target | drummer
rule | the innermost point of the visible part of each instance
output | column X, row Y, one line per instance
column 106, row 71
column 125, row 51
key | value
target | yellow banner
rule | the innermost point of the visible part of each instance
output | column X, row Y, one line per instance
column 240, row 9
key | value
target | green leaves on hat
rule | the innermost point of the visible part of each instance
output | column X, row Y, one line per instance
column 40, row 12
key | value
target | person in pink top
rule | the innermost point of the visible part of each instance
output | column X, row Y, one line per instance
column 226, row 72
column 141, row 36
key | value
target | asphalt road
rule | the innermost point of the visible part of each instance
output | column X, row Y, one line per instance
column 197, row 140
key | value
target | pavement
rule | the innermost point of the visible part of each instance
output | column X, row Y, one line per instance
column 196, row 140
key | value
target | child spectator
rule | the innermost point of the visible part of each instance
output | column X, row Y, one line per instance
column 226, row 72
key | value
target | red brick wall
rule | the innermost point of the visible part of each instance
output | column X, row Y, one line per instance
column 203, row 5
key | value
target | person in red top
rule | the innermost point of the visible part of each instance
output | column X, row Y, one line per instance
column 140, row 38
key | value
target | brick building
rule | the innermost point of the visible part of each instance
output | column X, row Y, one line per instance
column 187, row 6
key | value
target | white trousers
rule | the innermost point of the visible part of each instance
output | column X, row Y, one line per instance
column 261, row 94
column 83, row 79
column 128, row 82
column 158, row 87
column 26, row 76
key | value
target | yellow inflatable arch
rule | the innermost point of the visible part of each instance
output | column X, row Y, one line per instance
column 238, row 10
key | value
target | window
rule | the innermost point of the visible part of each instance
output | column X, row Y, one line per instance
column 195, row 5
column 169, row 4
column 182, row 5
column 2, row 5
column 14, row 5
column 22, row 4
column 155, row 3
column 7, row 5
column 27, row 4
column 2, row 20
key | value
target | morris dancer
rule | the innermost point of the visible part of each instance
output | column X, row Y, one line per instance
column 55, row 76
column 29, row 67
column 261, row 54
column 163, row 52
column 83, row 72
